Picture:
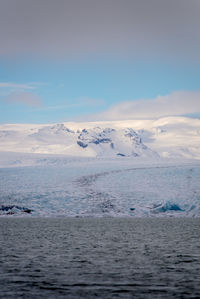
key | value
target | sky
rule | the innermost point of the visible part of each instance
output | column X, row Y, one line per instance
column 75, row 60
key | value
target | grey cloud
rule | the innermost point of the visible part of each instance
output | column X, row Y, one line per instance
column 73, row 28
column 25, row 98
column 176, row 103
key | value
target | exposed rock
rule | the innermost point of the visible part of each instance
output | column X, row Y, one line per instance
column 81, row 144
column 13, row 209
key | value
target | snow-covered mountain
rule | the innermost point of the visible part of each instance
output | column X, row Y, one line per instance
column 167, row 137
column 127, row 168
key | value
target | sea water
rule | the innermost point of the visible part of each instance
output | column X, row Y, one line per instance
column 99, row 257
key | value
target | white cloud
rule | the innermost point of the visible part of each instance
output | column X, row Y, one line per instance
column 19, row 93
column 16, row 85
column 25, row 98
column 176, row 103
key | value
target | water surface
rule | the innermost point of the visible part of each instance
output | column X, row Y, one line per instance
column 99, row 257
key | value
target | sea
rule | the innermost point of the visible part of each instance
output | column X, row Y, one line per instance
column 107, row 257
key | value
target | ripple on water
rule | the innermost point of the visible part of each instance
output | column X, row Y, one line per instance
column 107, row 258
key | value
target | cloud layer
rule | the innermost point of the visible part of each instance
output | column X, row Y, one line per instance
column 176, row 103
column 16, row 93
column 25, row 98
column 15, row 85
column 71, row 28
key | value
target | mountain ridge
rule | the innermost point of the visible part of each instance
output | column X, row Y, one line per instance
column 167, row 137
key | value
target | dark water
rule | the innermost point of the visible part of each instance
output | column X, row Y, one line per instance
column 105, row 258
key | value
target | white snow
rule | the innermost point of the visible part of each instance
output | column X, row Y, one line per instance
column 127, row 168
column 166, row 137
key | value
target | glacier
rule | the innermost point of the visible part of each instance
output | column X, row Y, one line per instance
column 137, row 168
column 101, row 187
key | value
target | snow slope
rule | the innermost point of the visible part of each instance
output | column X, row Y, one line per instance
column 169, row 137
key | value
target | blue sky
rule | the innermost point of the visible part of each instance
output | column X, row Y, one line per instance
column 104, row 70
